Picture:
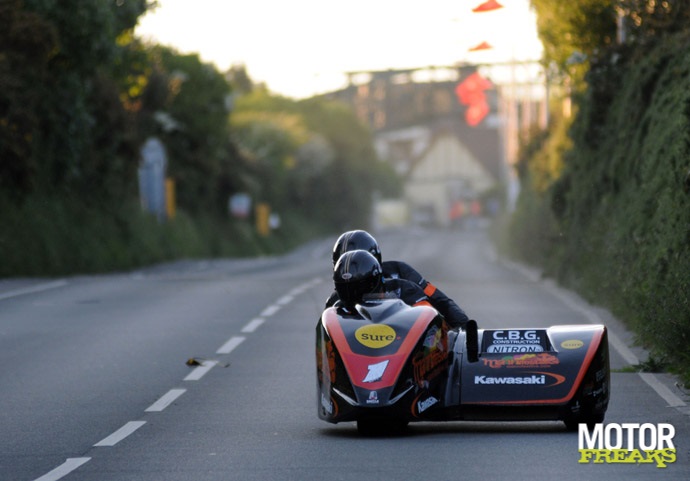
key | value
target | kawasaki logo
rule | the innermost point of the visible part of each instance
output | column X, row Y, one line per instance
column 510, row 380
column 538, row 379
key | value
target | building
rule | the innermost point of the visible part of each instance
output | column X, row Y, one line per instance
column 440, row 129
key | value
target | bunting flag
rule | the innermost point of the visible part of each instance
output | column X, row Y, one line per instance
column 487, row 6
column 481, row 46
column 470, row 92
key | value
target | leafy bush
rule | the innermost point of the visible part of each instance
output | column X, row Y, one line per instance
column 621, row 205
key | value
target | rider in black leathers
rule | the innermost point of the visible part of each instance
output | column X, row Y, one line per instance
column 358, row 274
column 360, row 239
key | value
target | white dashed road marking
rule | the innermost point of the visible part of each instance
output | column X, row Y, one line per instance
column 165, row 401
column 285, row 300
column 64, row 469
column 253, row 325
column 120, row 434
column 232, row 343
column 200, row 371
column 270, row 310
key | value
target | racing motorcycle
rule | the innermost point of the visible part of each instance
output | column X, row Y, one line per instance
column 387, row 364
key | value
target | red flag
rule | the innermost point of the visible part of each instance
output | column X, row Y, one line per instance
column 470, row 92
column 481, row 46
column 487, row 6
column 476, row 113
column 472, row 89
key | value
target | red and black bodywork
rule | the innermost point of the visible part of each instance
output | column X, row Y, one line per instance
column 391, row 362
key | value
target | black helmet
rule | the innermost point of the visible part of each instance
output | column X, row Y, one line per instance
column 356, row 273
column 353, row 240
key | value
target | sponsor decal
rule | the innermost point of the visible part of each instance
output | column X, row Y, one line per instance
column 432, row 337
column 426, row 404
column 572, row 344
column 373, row 398
column 515, row 348
column 375, row 336
column 330, row 359
column 326, row 404
column 375, row 371
column 428, row 366
column 515, row 337
column 522, row 360
column 515, row 341
column 537, row 379
column 631, row 443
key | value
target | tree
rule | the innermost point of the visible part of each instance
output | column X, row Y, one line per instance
column 54, row 58
column 186, row 104
column 27, row 41
column 311, row 156
column 573, row 31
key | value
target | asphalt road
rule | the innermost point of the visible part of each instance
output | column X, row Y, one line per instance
column 95, row 385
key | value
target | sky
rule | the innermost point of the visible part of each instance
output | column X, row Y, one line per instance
column 299, row 48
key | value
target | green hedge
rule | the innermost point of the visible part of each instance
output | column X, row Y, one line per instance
column 59, row 236
column 617, row 218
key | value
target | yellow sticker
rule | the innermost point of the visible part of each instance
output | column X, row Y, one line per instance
column 572, row 344
column 375, row 336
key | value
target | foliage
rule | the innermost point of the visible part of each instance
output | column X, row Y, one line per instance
column 270, row 140
column 185, row 104
column 56, row 104
column 645, row 20
column 618, row 212
column 626, row 212
column 577, row 32
column 533, row 227
column 319, row 158
column 574, row 31
column 80, row 95
column 344, row 193
column 51, row 236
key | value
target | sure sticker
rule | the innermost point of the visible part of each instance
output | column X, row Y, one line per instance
column 572, row 344
column 375, row 336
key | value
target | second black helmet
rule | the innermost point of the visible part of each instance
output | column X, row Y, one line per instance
column 354, row 240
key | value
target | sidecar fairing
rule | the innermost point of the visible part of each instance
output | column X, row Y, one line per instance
column 389, row 362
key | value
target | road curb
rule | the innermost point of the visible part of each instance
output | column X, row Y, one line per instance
column 621, row 339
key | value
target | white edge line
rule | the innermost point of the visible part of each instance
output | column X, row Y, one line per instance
column 253, row 325
column 664, row 392
column 200, row 371
column 166, row 400
column 622, row 349
column 30, row 290
column 231, row 344
column 120, row 434
column 64, row 469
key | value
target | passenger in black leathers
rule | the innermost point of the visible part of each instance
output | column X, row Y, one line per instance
column 360, row 239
